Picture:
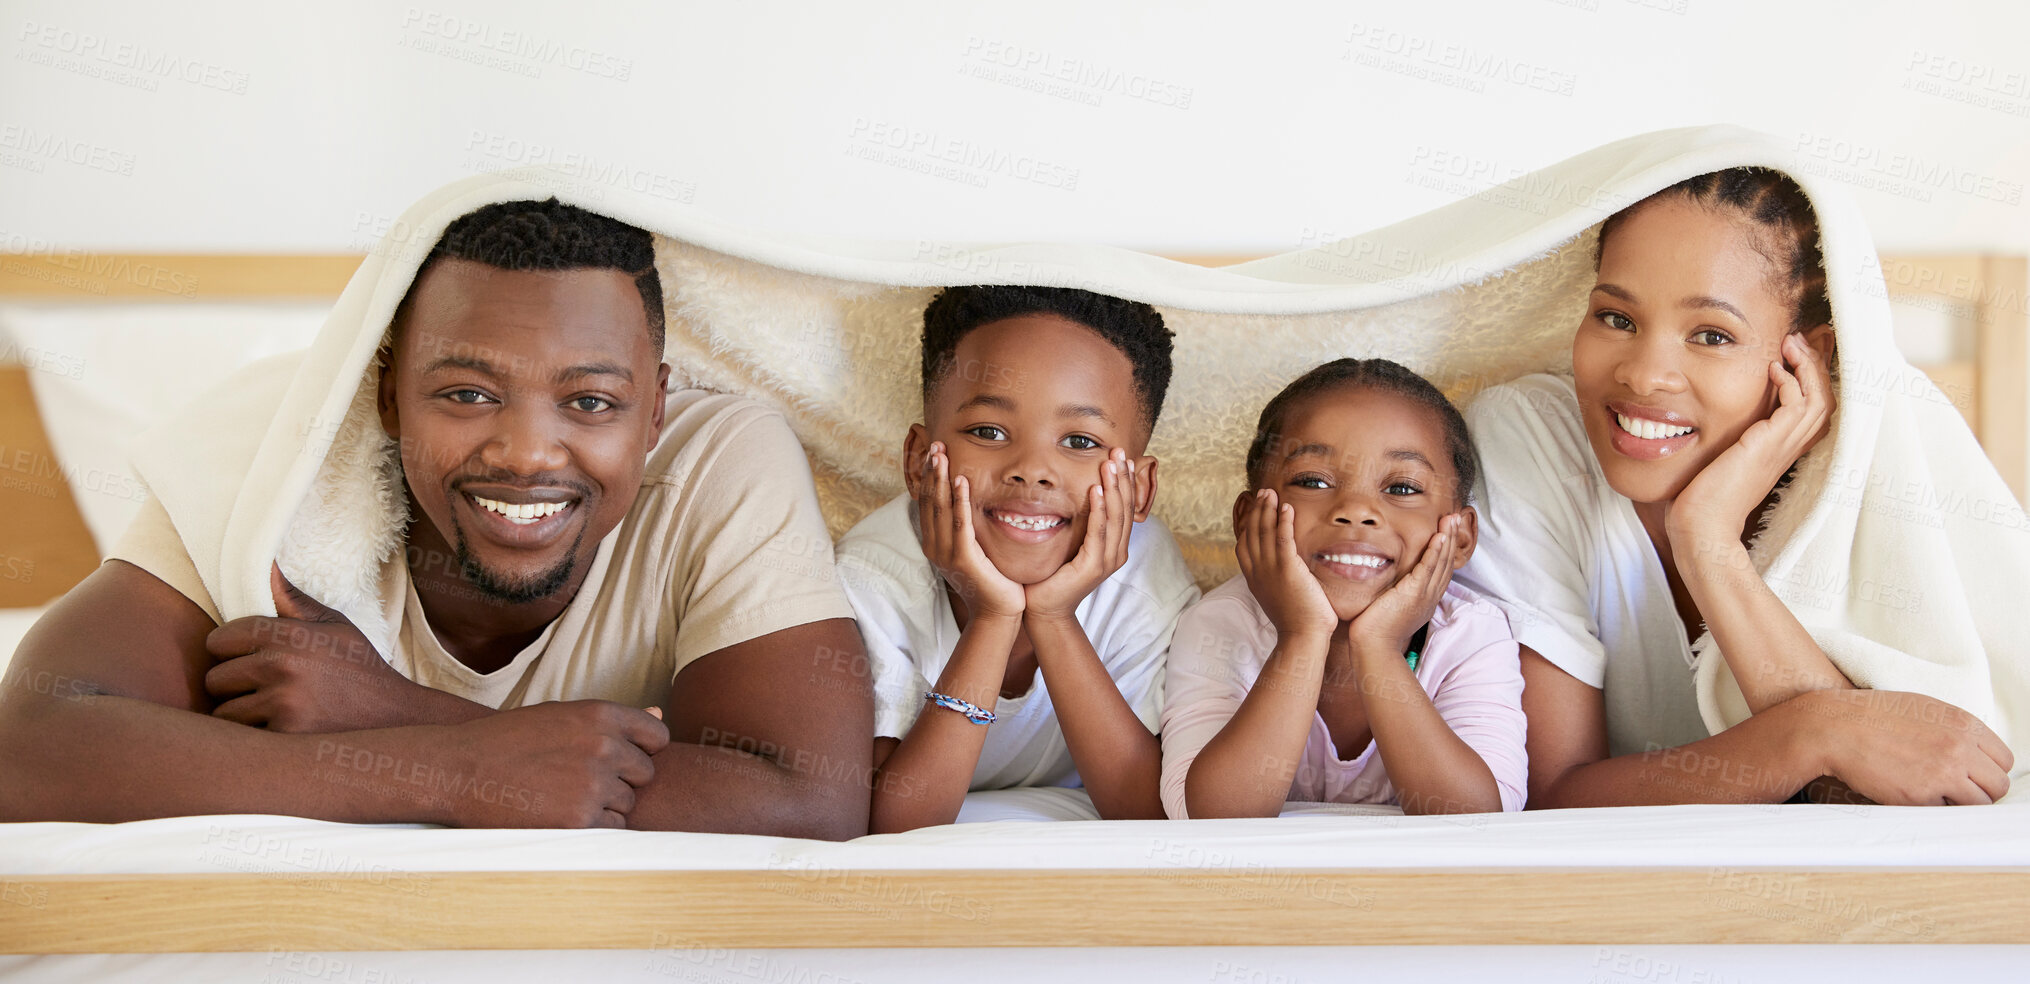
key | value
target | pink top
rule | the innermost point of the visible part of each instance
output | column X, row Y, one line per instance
column 1469, row 668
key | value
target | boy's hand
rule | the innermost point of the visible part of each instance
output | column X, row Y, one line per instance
column 1266, row 544
column 569, row 764
column 944, row 510
column 1111, row 514
column 309, row 670
column 1395, row 616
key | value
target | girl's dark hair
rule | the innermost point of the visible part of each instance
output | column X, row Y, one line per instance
column 1379, row 374
column 1789, row 230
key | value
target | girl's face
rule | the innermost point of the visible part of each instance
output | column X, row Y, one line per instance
column 1672, row 360
column 1369, row 475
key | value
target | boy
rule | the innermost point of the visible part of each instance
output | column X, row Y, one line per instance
column 1015, row 628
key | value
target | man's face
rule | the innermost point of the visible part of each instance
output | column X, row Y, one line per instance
column 525, row 404
column 1028, row 413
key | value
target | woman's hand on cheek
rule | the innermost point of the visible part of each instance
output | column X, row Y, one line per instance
column 944, row 510
column 1110, row 513
column 1266, row 545
column 1713, row 510
column 1390, row 620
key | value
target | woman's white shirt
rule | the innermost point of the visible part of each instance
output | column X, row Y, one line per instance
column 1565, row 556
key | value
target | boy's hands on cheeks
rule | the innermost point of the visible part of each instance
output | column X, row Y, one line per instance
column 1265, row 541
column 944, row 509
column 1385, row 628
column 1111, row 514
column 1714, row 507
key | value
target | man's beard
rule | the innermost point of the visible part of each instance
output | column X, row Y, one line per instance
column 507, row 589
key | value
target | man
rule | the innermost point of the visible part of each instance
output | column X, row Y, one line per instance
column 579, row 546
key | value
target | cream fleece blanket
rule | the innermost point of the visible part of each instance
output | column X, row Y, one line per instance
column 289, row 461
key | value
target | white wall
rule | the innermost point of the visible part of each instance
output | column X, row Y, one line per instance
column 215, row 125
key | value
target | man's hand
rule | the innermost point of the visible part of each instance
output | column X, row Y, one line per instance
column 1110, row 515
column 1265, row 542
column 569, row 764
column 307, row 670
column 1392, row 618
column 944, row 511
column 1905, row 749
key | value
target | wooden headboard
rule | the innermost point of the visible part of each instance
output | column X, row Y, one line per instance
column 47, row 547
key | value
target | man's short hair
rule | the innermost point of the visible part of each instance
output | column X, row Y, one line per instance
column 1136, row 329
column 550, row 235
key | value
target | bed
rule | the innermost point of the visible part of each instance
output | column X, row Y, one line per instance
column 1677, row 894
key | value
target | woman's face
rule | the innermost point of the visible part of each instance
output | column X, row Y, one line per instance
column 1671, row 362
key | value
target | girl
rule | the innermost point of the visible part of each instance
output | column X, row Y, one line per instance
column 1340, row 666
column 1620, row 503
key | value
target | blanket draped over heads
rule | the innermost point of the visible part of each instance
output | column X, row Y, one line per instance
column 289, row 461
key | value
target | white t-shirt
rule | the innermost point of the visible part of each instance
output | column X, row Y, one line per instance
column 724, row 543
column 1567, row 559
column 907, row 623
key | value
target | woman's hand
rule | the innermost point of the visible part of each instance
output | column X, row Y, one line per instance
column 944, row 511
column 1266, row 545
column 1905, row 749
column 1715, row 507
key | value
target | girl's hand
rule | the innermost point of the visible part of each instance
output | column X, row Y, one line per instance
column 1110, row 514
column 1715, row 507
column 1266, row 545
column 944, row 510
column 1395, row 616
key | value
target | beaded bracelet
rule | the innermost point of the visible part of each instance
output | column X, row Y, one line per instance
column 973, row 712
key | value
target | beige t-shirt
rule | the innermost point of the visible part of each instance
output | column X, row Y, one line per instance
column 724, row 544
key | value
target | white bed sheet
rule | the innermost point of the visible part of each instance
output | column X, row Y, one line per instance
column 1701, row 836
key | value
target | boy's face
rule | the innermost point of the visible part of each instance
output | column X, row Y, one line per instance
column 526, row 404
column 1028, row 412
column 1369, row 477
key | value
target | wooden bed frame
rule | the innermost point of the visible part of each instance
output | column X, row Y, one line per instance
column 633, row 910
column 630, row 909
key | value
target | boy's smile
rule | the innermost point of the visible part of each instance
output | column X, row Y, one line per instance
column 1028, row 414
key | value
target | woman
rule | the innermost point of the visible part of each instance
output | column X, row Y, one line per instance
column 1619, row 508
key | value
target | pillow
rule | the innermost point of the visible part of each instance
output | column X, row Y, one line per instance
column 101, row 373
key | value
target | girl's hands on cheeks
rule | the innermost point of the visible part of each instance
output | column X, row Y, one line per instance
column 1715, row 506
column 1266, row 544
column 944, row 510
column 1110, row 515
column 1391, row 619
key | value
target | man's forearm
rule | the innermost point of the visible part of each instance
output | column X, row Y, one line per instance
column 714, row 789
column 107, row 759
